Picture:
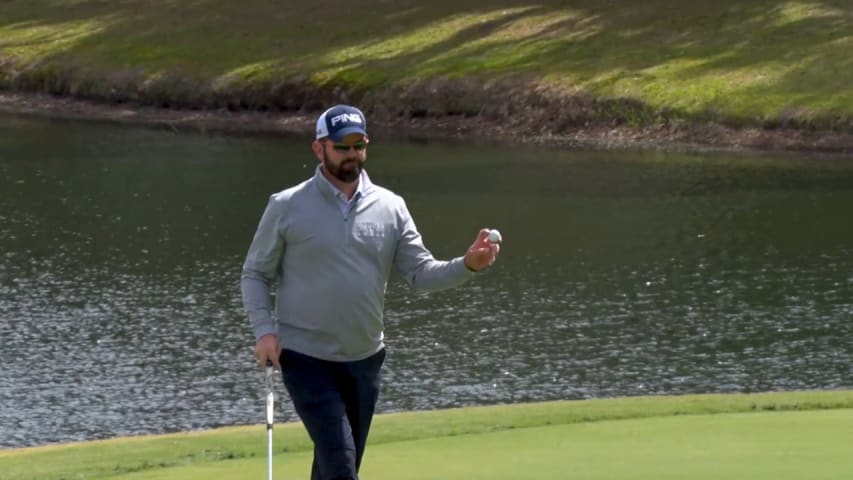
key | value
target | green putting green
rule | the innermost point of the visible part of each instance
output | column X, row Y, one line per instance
column 780, row 436
column 771, row 446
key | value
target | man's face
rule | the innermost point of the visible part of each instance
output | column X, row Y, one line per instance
column 345, row 159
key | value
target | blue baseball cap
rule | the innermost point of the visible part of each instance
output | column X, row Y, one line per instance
column 340, row 121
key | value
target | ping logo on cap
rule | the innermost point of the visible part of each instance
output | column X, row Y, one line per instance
column 346, row 117
column 340, row 121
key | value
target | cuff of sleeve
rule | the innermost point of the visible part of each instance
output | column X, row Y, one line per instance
column 463, row 269
column 266, row 328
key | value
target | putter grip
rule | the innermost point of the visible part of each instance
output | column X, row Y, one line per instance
column 270, row 410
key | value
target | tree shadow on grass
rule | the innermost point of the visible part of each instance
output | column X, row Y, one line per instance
column 329, row 45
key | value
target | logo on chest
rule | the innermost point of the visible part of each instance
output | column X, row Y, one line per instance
column 371, row 230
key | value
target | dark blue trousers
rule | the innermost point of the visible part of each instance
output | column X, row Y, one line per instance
column 335, row 401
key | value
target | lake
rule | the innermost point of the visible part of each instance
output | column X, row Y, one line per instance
column 621, row 274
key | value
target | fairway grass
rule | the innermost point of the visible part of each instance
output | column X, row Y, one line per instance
column 773, row 435
column 759, row 62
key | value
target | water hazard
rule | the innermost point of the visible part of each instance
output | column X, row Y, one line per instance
column 621, row 274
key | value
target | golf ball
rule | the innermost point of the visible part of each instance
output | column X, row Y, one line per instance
column 494, row 236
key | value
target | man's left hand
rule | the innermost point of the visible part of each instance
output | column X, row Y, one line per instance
column 482, row 252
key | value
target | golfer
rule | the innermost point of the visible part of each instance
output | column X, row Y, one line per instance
column 329, row 244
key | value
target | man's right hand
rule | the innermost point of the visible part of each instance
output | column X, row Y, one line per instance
column 268, row 349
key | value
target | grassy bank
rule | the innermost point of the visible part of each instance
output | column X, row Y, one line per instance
column 546, row 67
column 241, row 450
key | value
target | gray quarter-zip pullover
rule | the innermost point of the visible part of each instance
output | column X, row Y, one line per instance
column 332, row 266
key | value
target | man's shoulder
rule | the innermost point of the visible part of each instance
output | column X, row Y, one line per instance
column 385, row 194
column 292, row 193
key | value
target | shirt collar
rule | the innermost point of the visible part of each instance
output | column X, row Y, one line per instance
column 365, row 186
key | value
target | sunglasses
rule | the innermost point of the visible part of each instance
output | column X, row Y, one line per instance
column 344, row 147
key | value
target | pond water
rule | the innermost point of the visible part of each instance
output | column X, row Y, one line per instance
column 622, row 273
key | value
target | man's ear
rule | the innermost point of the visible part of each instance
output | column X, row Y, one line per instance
column 317, row 148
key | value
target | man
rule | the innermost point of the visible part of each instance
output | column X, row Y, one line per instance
column 330, row 243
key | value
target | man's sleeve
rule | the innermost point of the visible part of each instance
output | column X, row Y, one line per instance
column 417, row 265
column 261, row 269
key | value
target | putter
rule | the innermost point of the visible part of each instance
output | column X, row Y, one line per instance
column 270, row 416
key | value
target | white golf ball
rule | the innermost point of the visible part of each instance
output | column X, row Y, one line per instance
column 494, row 236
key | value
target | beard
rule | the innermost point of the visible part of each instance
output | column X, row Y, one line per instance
column 348, row 171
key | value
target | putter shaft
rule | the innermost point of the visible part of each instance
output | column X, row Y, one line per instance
column 270, row 414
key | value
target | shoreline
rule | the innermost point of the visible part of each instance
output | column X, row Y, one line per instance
column 445, row 128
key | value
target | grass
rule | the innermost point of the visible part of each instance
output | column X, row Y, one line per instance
column 742, row 62
column 778, row 446
column 638, row 437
